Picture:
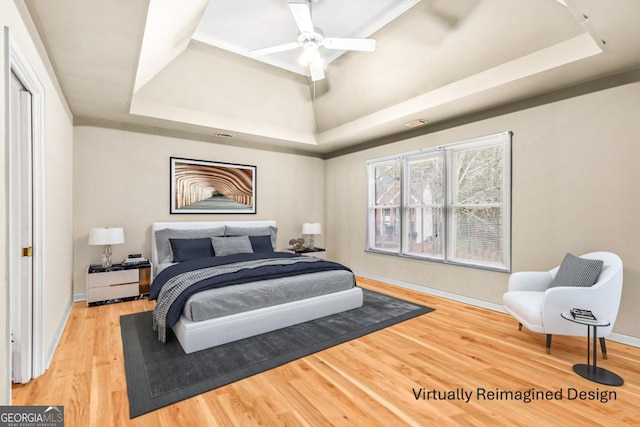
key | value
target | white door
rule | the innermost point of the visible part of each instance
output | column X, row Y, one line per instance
column 20, row 233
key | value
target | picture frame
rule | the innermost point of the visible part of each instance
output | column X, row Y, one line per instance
column 210, row 187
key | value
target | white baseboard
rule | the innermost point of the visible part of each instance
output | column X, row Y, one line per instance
column 79, row 297
column 58, row 336
column 624, row 339
column 620, row 338
column 436, row 292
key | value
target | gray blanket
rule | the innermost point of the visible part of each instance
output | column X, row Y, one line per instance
column 174, row 287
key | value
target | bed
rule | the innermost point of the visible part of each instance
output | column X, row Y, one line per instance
column 237, row 292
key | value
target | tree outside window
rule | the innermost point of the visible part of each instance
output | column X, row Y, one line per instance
column 450, row 204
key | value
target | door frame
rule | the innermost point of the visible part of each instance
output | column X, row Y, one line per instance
column 15, row 61
column 20, row 200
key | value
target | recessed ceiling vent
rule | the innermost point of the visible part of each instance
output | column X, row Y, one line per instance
column 416, row 123
column 224, row 135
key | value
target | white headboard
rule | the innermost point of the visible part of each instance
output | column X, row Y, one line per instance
column 194, row 225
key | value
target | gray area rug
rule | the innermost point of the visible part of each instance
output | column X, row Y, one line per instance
column 161, row 374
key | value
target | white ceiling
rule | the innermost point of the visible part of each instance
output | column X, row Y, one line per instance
column 136, row 64
column 243, row 26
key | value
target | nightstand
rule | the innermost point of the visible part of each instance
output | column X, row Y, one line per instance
column 117, row 283
column 316, row 252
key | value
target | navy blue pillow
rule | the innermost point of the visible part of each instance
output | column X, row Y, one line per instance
column 261, row 244
column 188, row 249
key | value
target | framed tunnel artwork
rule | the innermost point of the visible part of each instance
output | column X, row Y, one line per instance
column 207, row 187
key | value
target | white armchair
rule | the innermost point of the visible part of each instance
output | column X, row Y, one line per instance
column 536, row 305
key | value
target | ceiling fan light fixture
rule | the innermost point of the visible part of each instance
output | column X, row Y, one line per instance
column 310, row 55
column 310, row 38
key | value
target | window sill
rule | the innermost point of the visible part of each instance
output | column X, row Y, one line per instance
column 439, row 261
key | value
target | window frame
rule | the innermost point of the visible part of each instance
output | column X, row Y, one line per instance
column 371, row 192
column 503, row 141
column 408, row 205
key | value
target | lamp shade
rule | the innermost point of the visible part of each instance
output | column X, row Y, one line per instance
column 311, row 228
column 106, row 236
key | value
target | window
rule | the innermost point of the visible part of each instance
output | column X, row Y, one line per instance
column 384, row 220
column 451, row 203
column 425, row 205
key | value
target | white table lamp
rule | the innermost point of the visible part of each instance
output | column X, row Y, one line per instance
column 311, row 228
column 106, row 237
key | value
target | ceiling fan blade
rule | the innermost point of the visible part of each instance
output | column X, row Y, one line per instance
column 316, row 70
column 302, row 14
column 366, row 45
column 274, row 49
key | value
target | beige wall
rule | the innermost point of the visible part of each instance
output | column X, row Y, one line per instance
column 58, row 192
column 122, row 180
column 576, row 188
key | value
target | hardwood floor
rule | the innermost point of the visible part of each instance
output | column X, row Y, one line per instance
column 369, row 381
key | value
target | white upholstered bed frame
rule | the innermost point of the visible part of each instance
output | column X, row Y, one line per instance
column 195, row 336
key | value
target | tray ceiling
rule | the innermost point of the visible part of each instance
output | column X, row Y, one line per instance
column 240, row 27
column 154, row 65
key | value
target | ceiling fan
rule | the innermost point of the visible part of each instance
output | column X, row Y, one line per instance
column 311, row 38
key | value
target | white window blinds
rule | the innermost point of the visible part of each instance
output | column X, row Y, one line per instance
column 451, row 203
